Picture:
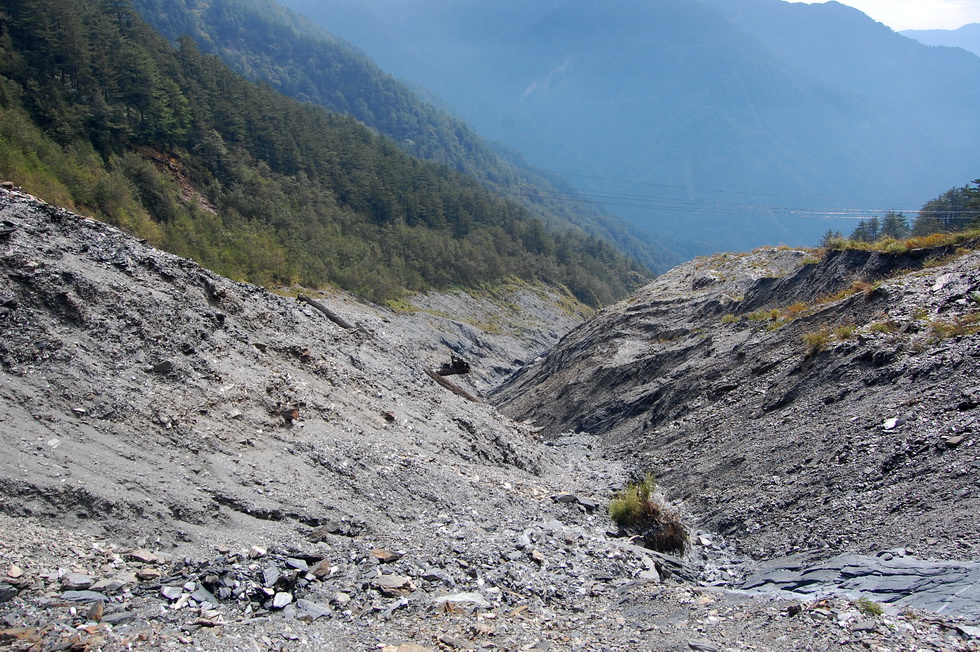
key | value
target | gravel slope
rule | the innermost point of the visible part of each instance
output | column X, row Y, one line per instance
column 194, row 463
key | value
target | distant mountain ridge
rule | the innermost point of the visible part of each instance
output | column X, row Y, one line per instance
column 735, row 138
column 966, row 37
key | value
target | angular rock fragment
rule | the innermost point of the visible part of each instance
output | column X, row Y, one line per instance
column 386, row 556
column 7, row 592
column 171, row 592
column 143, row 556
column 281, row 599
column 84, row 596
column 310, row 610
column 393, row 586
column 270, row 576
column 119, row 617
column 204, row 596
column 321, row 569
column 298, row 564
column 146, row 574
column 702, row 645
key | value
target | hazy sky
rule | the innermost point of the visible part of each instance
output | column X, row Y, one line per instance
column 919, row 14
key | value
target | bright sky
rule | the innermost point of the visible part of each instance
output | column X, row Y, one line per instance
column 919, row 14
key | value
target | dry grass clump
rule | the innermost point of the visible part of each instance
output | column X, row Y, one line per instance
column 898, row 246
column 817, row 341
column 965, row 325
column 636, row 510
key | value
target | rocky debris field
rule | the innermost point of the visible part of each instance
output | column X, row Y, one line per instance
column 194, row 463
column 556, row 585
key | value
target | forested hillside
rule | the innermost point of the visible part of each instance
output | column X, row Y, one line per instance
column 100, row 113
column 264, row 41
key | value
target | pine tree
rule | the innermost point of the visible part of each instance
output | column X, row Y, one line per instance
column 862, row 233
column 830, row 238
column 895, row 225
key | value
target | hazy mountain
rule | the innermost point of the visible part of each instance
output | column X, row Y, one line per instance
column 966, row 37
column 737, row 118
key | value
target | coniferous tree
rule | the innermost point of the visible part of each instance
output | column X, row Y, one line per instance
column 862, row 233
column 973, row 204
column 894, row 225
column 830, row 237
column 926, row 223
column 949, row 209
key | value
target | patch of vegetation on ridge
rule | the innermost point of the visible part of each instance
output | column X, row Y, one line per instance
column 902, row 245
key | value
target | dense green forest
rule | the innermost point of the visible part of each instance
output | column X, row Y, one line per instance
column 266, row 42
column 101, row 113
column 957, row 209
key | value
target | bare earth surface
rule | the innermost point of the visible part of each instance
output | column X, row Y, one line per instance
column 194, row 463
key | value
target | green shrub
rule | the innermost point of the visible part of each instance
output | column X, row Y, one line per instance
column 634, row 509
column 869, row 607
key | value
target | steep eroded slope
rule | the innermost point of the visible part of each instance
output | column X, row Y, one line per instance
column 791, row 404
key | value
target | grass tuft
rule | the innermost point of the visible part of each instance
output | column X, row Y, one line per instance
column 816, row 342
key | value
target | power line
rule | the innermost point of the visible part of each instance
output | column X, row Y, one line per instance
column 628, row 200
column 659, row 203
column 696, row 189
column 625, row 200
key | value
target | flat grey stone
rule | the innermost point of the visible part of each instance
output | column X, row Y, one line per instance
column 298, row 564
column 84, row 596
column 947, row 587
column 203, row 595
column 171, row 592
column 270, row 576
column 77, row 581
column 108, row 585
column 281, row 600
column 865, row 626
column 392, row 585
column 313, row 609
column 119, row 617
